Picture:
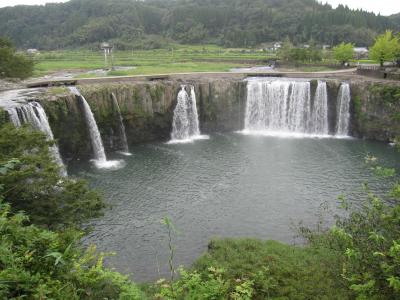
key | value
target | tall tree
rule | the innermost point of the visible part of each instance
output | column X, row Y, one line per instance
column 284, row 52
column 397, row 52
column 12, row 64
column 343, row 52
column 384, row 48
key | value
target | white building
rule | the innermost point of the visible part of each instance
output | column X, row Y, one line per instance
column 361, row 52
column 32, row 51
column 277, row 46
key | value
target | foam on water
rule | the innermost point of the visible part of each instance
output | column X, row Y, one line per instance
column 285, row 134
column 109, row 164
column 190, row 140
column 124, row 153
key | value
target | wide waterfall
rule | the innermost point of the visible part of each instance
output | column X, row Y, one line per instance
column 124, row 140
column 185, row 125
column 95, row 137
column 34, row 114
column 343, row 114
column 281, row 107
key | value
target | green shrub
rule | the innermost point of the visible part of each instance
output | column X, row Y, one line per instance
column 277, row 271
column 254, row 269
column 35, row 186
column 12, row 64
column 40, row 264
column 368, row 241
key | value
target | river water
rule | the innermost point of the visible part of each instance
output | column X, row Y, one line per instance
column 231, row 185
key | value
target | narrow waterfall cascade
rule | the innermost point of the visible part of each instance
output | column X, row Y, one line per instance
column 34, row 114
column 97, row 143
column 185, row 125
column 194, row 129
column 100, row 159
column 14, row 117
column 281, row 107
column 319, row 116
column 124, row 140
column 343, row 114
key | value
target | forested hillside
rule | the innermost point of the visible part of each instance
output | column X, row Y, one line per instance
column 396, row 19
column 154, row 23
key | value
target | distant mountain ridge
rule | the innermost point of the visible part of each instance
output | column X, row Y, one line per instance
column 150, row 24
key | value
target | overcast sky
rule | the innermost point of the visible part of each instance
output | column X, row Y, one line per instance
column 384, row 7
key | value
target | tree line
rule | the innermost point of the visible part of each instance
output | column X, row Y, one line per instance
column 386, row 48
column 155, row 23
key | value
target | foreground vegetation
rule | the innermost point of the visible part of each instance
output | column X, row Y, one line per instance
column 39, row 264
column 34, row 185
column 40, row 252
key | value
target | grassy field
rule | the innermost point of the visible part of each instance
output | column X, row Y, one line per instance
column 180, row 59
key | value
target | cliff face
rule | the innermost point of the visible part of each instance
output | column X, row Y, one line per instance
column 147, row 109
column 222, row 105
column 376, row 110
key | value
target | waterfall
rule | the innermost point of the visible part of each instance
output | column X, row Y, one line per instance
column 185, row 124
column 180, row 123
column 343, row 114
column 34, row 114
column 194, row 129
column 299, row 107
column 319, row 119
column 284, row 107
column 124, row 140
column 95, row 137
column 14, row 117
